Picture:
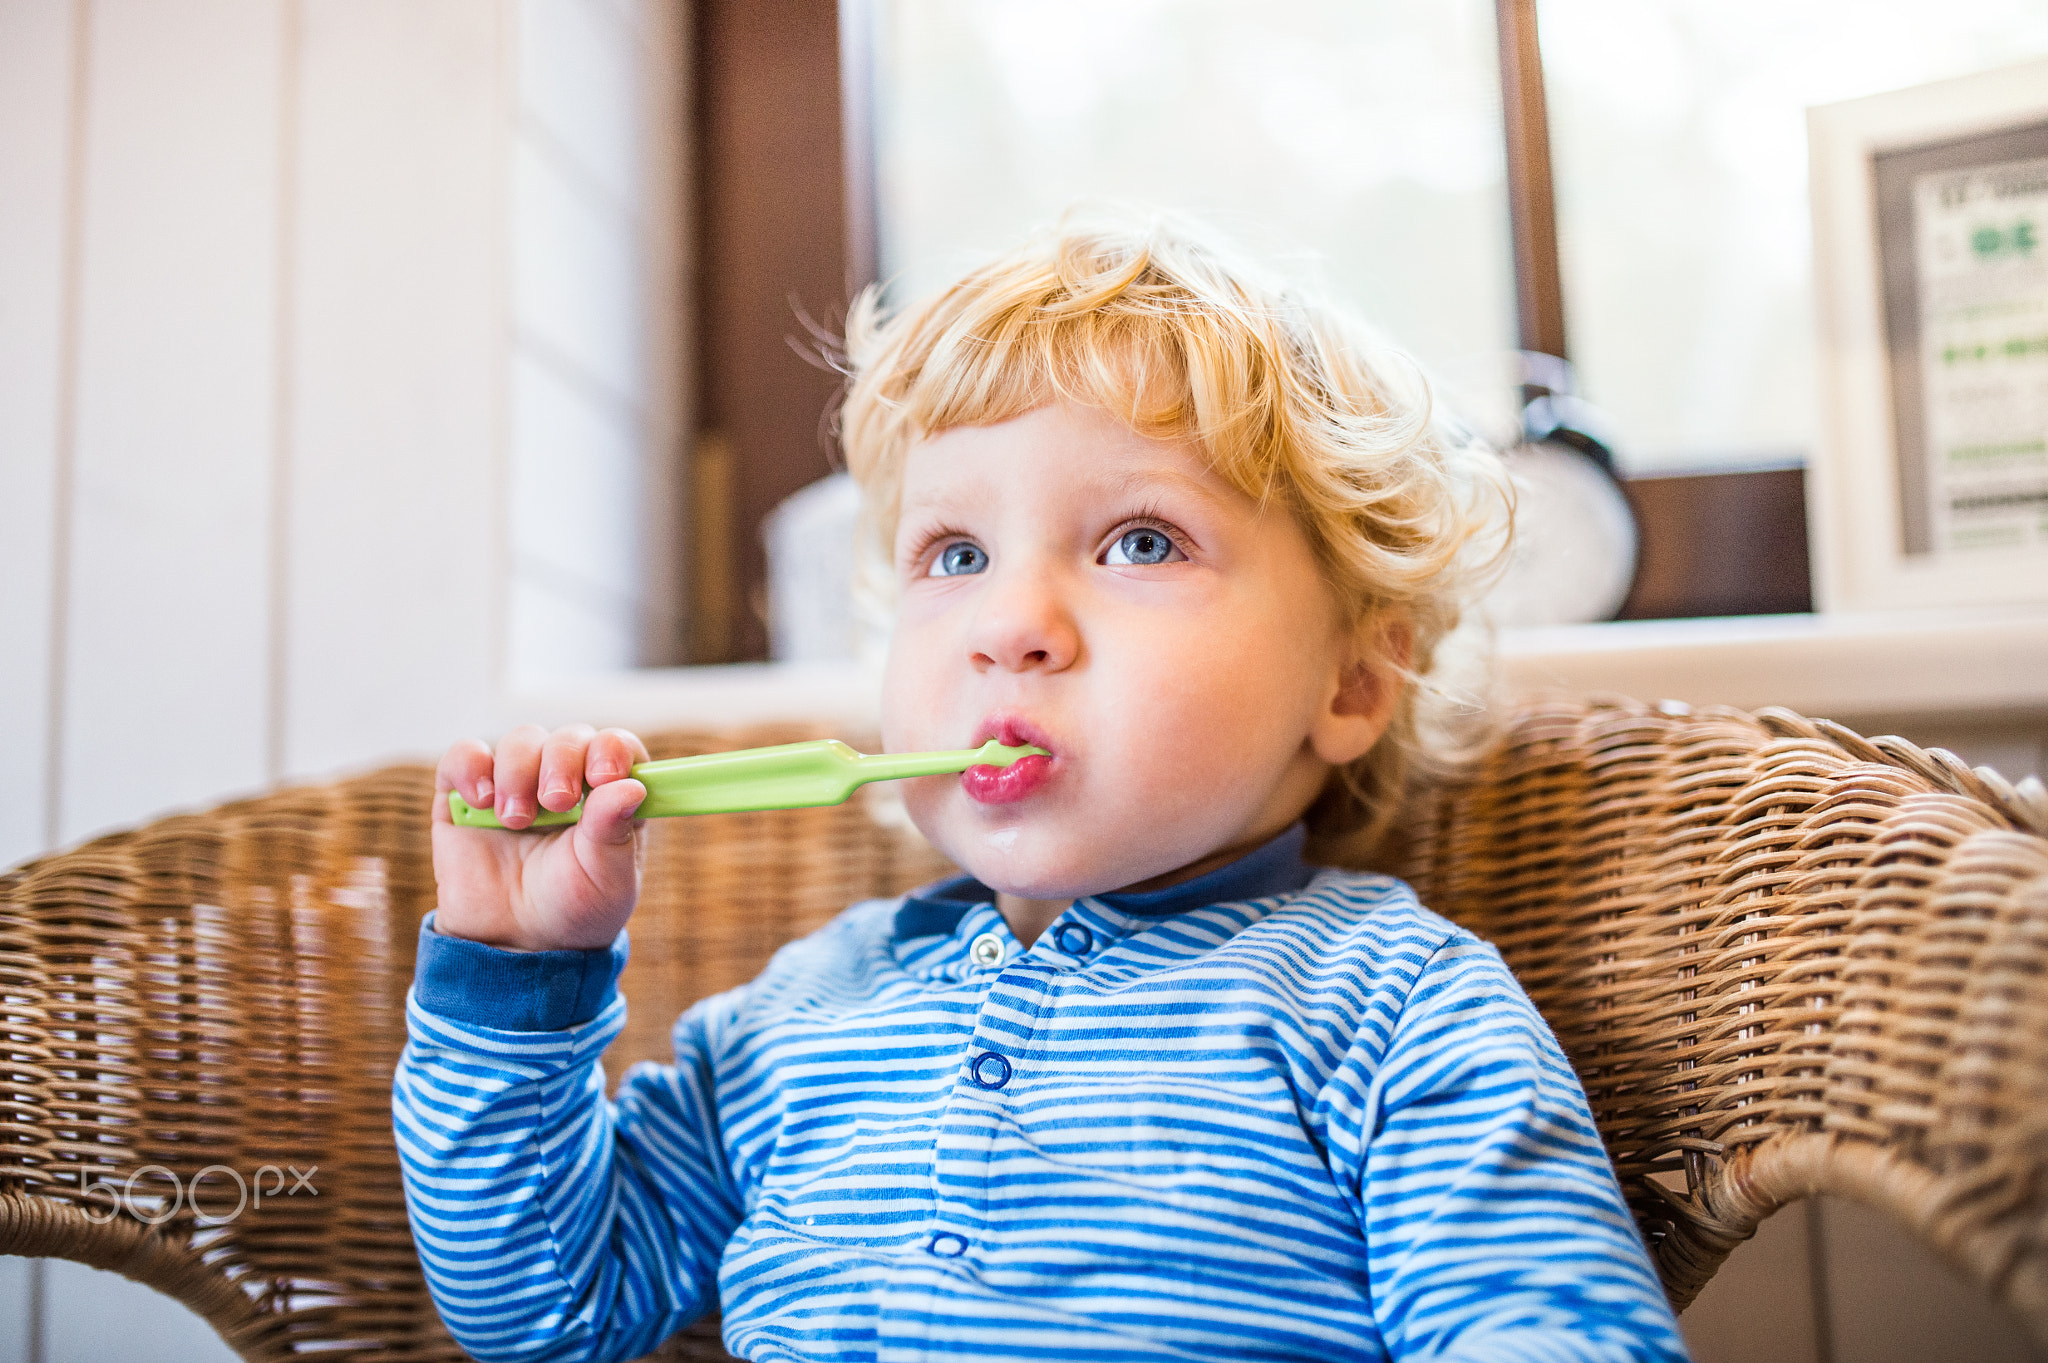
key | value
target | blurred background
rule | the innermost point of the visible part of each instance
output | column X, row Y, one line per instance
column 377, row 372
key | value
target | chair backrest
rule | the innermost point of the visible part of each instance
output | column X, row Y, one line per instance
column 199, row 1020
column 1786, row 961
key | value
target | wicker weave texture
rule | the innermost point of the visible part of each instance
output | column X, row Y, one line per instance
column 222, row 991
column 1785, row 960
column 225, row 991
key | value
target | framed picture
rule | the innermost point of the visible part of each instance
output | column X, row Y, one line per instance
column 1929, row 485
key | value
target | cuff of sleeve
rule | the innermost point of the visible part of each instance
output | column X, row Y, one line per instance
column 514, row 991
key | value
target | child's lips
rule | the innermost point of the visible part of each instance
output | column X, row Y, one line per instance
column 1006, row 785
column 992, row 785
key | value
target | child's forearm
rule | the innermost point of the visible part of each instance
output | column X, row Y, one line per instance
column 538, row 1240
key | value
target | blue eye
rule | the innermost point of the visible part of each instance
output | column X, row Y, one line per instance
column 958, row 558
column 1140, row 546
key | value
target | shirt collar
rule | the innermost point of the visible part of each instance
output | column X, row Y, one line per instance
column 1274, row 867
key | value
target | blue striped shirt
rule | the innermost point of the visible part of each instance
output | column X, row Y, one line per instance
column 1276, row 1113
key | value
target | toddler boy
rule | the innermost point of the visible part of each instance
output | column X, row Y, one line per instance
column 1146, row 1082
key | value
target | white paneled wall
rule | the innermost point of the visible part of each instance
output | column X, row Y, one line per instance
column 164, row 649
column 390, row 533
column 340, row 357
column 597, row 286
column 38, row 114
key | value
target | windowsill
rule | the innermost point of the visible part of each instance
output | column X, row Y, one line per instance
column 1954, row 664
column 1950, row 663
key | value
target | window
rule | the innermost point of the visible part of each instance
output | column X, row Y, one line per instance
column 1359, row 142
column 1678, row 135
column 1362, row 143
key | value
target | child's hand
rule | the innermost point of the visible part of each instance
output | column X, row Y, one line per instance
column 573, row 887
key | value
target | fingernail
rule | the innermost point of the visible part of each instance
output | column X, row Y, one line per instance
column 483, row 792
column 514, row 808
column 561, row 793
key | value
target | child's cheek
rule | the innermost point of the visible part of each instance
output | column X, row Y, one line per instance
column 921, row 801
column 910, row 689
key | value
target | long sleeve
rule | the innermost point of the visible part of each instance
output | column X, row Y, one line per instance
column 1494, row 1225
column 552, row 1223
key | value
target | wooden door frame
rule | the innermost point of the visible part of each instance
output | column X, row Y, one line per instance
column 783, row 238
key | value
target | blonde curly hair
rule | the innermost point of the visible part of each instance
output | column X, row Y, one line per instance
column 1289, row 399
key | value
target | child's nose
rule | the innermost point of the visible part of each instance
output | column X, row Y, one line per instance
column 1023, row 625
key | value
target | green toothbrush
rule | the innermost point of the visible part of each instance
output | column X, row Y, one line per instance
column 789, row 776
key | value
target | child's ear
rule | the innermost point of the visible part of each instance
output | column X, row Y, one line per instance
column 1366, row 691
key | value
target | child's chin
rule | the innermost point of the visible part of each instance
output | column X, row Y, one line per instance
column 1029, row 851
column 1009, row 860
column 1006, row 861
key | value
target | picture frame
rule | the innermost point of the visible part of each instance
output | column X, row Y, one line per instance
column 1928, row 488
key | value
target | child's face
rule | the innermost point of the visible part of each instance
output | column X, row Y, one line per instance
column 1068, row 582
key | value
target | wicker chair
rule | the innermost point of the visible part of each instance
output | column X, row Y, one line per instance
column 1785, row 959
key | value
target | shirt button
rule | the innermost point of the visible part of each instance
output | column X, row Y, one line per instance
column 986, row 950
column 947, row 1245
column 1074, row 939
column 991, row 1070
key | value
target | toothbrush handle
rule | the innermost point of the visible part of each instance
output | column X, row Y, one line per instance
column 791, row 776
column 787, row 776
column 895, row 766
column 466, row 815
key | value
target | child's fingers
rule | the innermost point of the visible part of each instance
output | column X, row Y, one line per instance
column 608, row 812
column 613, row 753
column 466, row 767
column 516, row 775
column 561, row 766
